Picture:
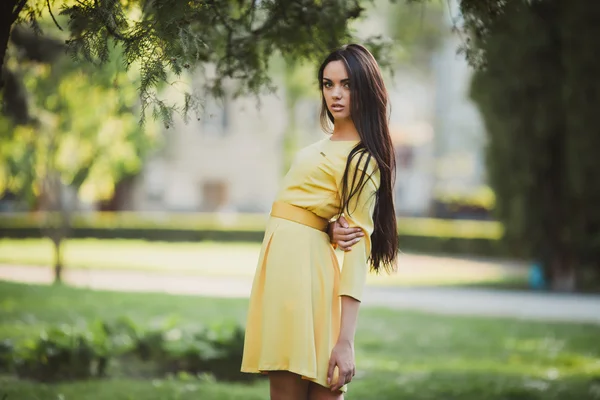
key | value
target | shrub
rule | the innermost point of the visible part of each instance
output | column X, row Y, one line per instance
column 6, row 351
column 216, row 350
column 63, row 353
column 74, row 353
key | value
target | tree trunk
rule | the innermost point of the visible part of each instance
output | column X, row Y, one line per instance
column 9, row 10
column 58, row 262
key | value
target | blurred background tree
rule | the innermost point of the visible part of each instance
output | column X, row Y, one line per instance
column 169, row 36
column 74, row 135
column 238, row 37
column 416, row 29
column 539, row 97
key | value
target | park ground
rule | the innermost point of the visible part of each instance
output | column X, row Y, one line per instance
column 401, row 354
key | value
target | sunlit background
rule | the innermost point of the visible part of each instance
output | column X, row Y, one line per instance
column 151, row 233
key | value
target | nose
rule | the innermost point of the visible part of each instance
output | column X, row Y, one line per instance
column 336, row 93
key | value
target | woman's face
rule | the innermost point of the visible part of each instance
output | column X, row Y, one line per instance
column 336, row 89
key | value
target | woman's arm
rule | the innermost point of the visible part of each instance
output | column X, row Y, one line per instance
column 352, row 281
column 350, row 308
column 342, row 354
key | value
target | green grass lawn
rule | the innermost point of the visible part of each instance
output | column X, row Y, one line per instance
column 234, row 260
column 400, row 355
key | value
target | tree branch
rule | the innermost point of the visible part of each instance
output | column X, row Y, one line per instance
column 248, row 15
column 267, row 24
column 18, row 9
column 116, row 34
column 229, row 37
column 52, row 15
column 110, row 29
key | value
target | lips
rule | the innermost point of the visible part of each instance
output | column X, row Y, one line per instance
column 337, row 107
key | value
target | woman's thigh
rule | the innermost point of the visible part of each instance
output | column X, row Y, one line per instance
column 285, row 385
column 318, row 392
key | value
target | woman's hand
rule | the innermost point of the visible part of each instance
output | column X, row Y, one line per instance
column 341, row 234
column 342, row 357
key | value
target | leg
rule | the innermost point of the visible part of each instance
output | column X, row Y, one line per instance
column 286, row 385
column 318, row 392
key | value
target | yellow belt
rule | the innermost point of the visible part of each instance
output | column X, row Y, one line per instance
column 299, row 215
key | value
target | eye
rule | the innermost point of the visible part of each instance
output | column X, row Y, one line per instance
column 347, row 85
column 327, row 84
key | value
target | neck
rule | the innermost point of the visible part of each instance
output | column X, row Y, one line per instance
column 344, row 129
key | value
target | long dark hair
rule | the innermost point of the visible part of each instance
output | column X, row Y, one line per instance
column 369, row 112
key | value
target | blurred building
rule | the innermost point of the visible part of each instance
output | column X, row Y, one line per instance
column 227, row 159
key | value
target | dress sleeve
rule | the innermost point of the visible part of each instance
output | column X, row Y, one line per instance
column 360, row 214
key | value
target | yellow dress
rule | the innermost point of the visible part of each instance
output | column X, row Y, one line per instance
column 295, row 307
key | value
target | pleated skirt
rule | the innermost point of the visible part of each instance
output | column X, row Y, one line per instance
column 294, row 312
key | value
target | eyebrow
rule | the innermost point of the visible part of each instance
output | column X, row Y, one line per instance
column 343, row 80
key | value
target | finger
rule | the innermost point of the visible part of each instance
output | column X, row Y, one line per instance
column 346, row 247
column 342, row 380
column 349, row 234
column 336, row 379
column 342, row 232
column 347, row 244
column 343, row 221
column 337, row 385
column 351, row 231
column 346, row 235
column 330, row 370
column 349, row 378
column 342, row 238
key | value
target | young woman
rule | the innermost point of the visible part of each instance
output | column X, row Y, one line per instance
column 303, row 310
